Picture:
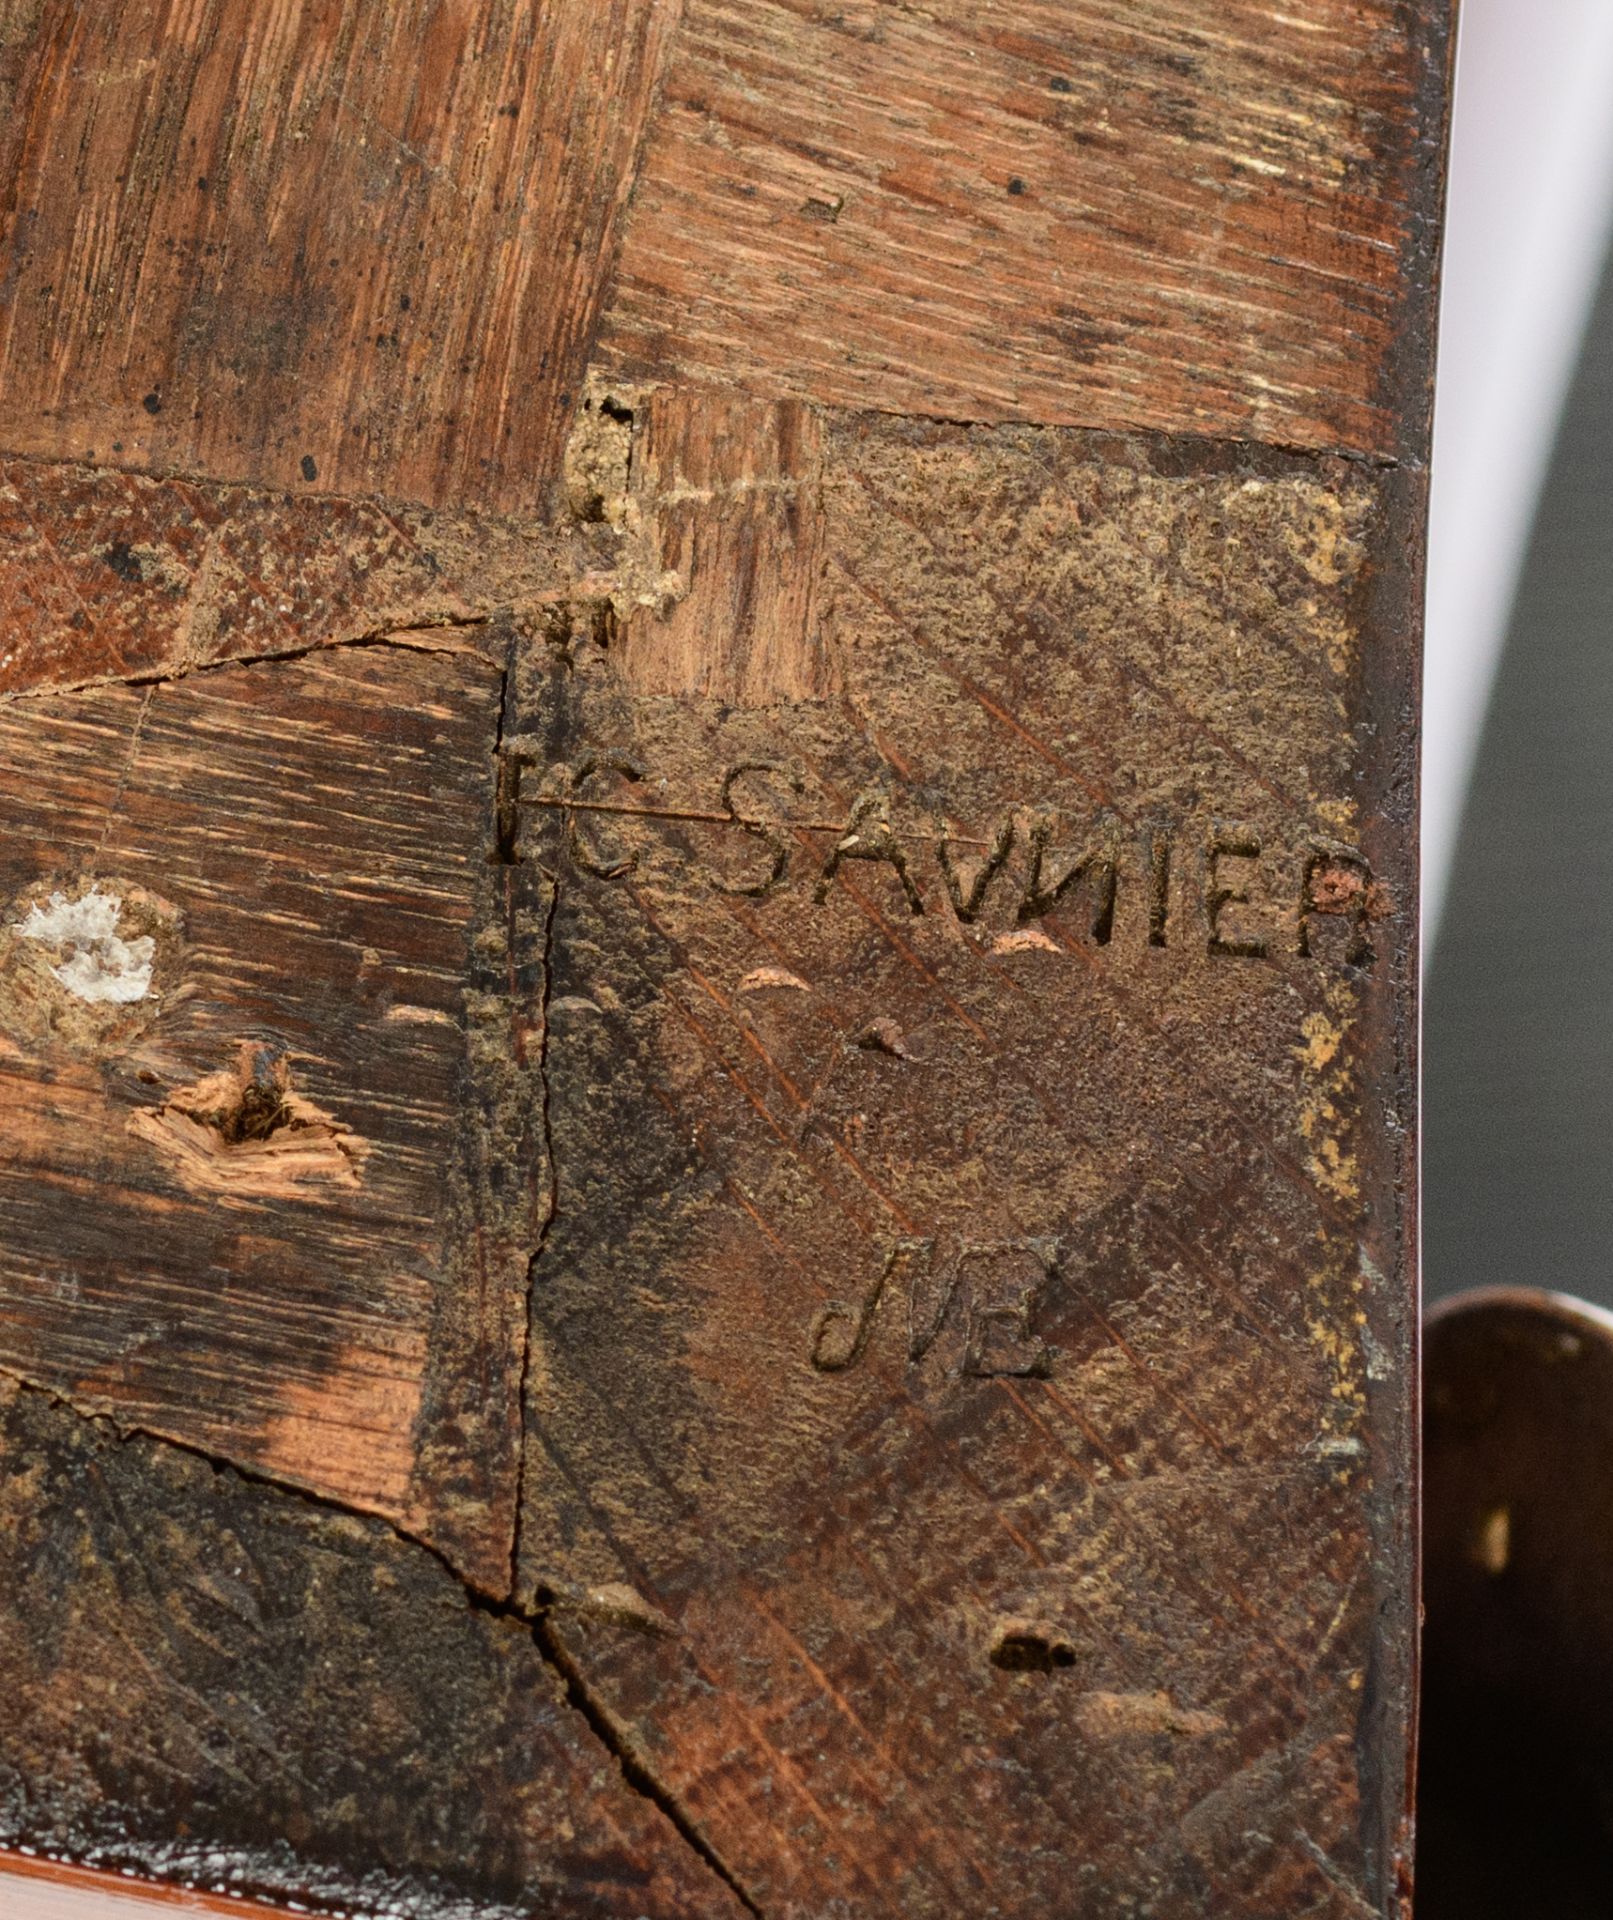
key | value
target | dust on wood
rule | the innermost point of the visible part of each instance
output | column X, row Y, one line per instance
column 784, row 1032
column 730, row 496
column 114, row 576
column 964, row 1195
column 227, row 1685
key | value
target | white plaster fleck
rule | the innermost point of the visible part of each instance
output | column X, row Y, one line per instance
column 100, row 967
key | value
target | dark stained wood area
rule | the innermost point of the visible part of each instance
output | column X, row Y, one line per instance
column 708, row 944
column 357, row 1736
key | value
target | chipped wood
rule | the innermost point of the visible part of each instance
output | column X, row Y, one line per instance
column 317, row 834
column 707, row 951
column 244, row 1130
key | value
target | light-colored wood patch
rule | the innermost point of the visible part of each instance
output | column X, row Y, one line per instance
column 245, row 1130
column 731, row 496
column 1162, row 214
column 349, row 1432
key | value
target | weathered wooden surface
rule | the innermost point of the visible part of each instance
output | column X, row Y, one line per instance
column 221, row 1681
column 368, row 247
column 720, row 922
column 297, row 1276
column 1206, row 219
column 123, row 577
column 341, row 245
column 952, row 1258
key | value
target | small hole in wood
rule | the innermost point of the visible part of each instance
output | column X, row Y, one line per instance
column 261, row 1107
column 246, row 1129
column 1023, row 1650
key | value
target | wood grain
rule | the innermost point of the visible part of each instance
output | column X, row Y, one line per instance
column 337, row 246
column 238, row 1688
column 966, row 1332
column 731, row 494
column 116, row 577
column 1201, row 220
column 708, row 951
column 317, row 834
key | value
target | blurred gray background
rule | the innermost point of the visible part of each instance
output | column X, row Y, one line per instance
column 1518, row 769
column 1518, row 1024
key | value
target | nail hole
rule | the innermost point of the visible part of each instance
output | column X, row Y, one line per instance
column 1023, row 1650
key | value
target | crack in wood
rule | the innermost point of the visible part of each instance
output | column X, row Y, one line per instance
column 634, row 1769
column 505, row 853
column 126, row 1431
column 403, row 635
column 635, row 1772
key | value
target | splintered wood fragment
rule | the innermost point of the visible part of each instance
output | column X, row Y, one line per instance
column 708, row 949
